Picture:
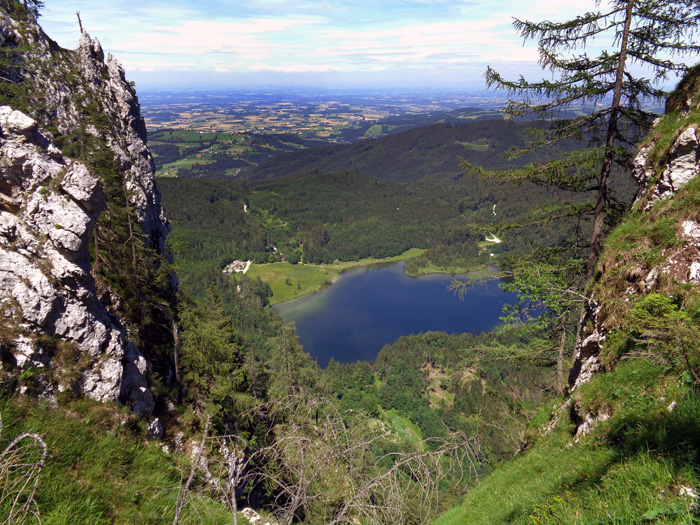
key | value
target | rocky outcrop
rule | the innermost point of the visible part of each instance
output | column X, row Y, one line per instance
column 49, row 206
column 71, row 90
column 127, row 138
column 54, row 326
column 587, row 354
column 683, row 266
column 585, row 423
column 683, row 164
column 648, row 262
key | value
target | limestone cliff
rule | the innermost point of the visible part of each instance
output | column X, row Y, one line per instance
column 658, row 247
column 79, row 133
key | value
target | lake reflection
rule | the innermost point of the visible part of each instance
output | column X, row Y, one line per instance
column 371, row 306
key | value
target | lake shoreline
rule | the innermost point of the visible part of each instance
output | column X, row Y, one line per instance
column 374, row 305
column 311, row 278
column 481, row 271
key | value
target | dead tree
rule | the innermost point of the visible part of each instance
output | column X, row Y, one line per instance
column 324, row 464
column 21, row 463
column 193, row 470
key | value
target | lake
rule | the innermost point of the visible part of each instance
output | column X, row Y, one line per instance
column 371, row 306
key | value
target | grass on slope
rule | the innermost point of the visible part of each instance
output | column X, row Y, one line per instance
column 101, row 469
column 636, row 467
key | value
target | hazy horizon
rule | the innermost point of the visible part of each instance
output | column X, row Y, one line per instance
column 389, row 44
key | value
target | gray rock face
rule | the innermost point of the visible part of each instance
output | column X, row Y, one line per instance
column 587, row 352
column 154, row 429
column 71, row 89
column 49, row 206
column 127, row 138
column 683, row 165
column 683, row 265
column 587, row 422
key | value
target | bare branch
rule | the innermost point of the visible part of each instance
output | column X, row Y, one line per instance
column 21, row 463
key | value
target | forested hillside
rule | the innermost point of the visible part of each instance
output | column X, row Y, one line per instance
column 319, row 218
column 431, row 152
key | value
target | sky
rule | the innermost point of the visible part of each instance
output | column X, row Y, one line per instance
column 418, row 43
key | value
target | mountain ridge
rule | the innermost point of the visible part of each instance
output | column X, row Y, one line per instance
column 56, row 192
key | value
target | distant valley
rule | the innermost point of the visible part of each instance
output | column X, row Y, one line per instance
column 330, row 116
column 283, row 198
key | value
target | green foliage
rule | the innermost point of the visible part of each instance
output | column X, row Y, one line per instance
column 16, row 69
column 669, row 328
column 93, row 450
column 548, row 291
column 657, row 317
column 458, row 254
column 441, row 381
column 637, row 32
column 211, row 226
column 630, row 469
column 122, row 259
column 289, row 368
column 211, row 360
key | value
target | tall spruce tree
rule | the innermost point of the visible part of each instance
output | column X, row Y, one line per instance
column 646, row 33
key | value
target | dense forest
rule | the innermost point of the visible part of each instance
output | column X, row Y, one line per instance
column 319, row 218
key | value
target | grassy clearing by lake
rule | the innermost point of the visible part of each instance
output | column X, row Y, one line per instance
column 289, row 281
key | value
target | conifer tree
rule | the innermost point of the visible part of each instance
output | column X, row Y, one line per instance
column 646, row 33
column 34, row 7
column 212, row 360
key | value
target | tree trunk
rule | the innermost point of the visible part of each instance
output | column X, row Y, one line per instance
column 137, row 281
column 134, row 258
column 604, row 183
column 176, row 355
column 234, row 505
column 560, row 358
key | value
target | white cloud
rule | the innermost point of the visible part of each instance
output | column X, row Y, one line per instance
column 307, row 35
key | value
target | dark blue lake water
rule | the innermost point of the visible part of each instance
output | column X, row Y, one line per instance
column 371, row 306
